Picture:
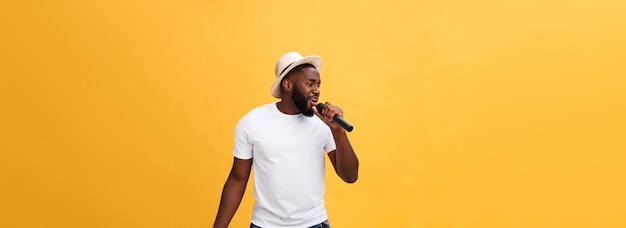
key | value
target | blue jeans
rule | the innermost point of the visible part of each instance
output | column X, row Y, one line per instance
column 324, row 224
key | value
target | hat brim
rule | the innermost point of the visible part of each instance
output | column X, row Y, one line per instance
column 311, row 59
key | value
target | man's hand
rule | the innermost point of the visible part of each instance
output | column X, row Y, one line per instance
column 344, row 159
column 329, row 112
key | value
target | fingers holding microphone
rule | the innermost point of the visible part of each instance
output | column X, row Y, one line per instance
column 322, row 110
column 318, row 110
column 332, row 116
column 328, row 111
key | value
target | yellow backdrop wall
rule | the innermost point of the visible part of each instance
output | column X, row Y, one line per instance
column 467, row 113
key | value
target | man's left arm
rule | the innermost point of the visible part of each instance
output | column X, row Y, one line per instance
column 344, row 159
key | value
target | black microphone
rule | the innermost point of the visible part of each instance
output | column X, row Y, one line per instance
column 336, row 118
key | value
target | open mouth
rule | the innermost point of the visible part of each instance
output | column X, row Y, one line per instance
column 313, row 101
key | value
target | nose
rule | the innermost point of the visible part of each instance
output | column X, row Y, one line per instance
column 316, row 90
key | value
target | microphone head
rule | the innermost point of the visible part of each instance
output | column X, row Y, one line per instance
column 319, row 107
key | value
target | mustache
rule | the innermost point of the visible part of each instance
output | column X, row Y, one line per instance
column 301, row 103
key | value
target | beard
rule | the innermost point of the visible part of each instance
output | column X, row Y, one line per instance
column 301, row 102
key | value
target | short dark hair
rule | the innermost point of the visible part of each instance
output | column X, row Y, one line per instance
column 295, row 69
column 298, row 68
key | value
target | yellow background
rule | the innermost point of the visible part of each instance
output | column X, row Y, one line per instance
column 467, row 113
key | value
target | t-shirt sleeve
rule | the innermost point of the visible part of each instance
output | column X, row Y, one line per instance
column 330, row 142
column 243, row 145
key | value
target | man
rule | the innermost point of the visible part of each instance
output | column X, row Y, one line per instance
column 285, row 142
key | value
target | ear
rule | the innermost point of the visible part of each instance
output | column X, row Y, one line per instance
column 287, row 85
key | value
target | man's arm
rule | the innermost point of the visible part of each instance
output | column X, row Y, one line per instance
column 344, row 159
column 233, row 192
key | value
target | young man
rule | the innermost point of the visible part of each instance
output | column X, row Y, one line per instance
column 285, row 142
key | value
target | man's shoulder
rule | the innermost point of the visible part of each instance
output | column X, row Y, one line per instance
column 260, row 111
column 254, row 115
column 266, row 108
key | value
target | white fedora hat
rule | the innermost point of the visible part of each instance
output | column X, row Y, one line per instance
column 289, row 61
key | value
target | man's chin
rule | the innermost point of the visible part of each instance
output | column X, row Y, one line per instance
column 308, row 112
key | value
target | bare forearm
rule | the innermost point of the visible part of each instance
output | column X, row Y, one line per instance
column 347, row 161
column 231, row 198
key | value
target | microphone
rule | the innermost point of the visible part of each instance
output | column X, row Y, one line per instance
column 337, row 119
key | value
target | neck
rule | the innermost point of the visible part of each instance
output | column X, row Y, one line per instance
column 287, row 106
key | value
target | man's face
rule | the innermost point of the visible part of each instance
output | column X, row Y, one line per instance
column 306, row 90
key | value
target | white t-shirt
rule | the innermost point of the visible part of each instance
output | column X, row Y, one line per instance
column 287, row 154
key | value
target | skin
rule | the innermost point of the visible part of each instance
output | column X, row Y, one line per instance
column 305, row 80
